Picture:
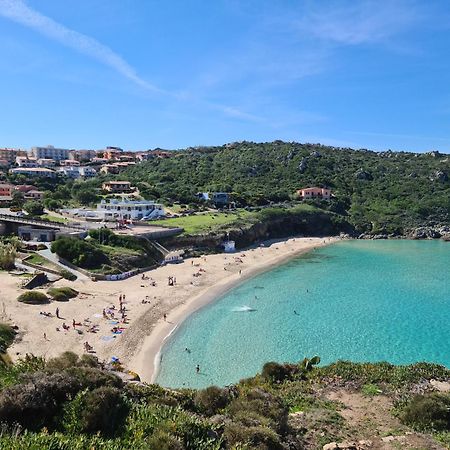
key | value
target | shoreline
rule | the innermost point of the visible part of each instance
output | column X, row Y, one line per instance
column 137, row 339
column 147, row 360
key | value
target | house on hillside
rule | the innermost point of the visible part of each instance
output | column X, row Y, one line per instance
column 33, row 172
column 314, row 193
column 117, row 187
column 6, row 191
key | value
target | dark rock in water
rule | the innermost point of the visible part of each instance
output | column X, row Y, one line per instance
column 303, row 165
column 363, row 175
column 424, row 233
column 439, row 176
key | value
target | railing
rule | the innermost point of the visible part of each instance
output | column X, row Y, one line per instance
column 49, row 223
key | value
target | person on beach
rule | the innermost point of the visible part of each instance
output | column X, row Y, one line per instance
column 45, row 336
column 165, row 317
column 57, row 313
column 73, row 323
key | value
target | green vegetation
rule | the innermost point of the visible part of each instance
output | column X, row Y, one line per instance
column 72, row 402
column 375, row 192
column 429, row 412
column 68, row 275
column 7, row 335
column 52, row 218
column 106, row 252
column 207, row 222
column 78, row 252
column 34, row 208
column 33, row 297
column 62, row 294
column 35, row 258
column 7, row 256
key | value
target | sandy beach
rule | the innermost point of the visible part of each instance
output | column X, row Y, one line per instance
column 153, row 308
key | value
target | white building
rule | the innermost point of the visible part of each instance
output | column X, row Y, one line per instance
column 129, row 210
column 25, row 161
column 33, row 172
column 50, row 152
column 77, row 172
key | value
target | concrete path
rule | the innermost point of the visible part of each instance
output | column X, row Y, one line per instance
column 54, row 259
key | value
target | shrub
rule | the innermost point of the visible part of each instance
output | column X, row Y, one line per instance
column 63, row 361
column 273, row 371
column 7, row 335
column 79, row 252
column 34, row 208
column 161, row 440
column 101, row 410
column 33, row 298
column 62, row 294
column 261, row 438
column 68, row 275
column 212, row 399
column 7, row 256
column 428, row 412
column 37, row 401
column 92, row 378
column 263, row 404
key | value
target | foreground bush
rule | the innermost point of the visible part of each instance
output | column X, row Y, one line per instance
column 272, row 371
column 261, row 438
column 62, row 294
column 101, row 410
column 212, row 399
column 33, row 298
column 429, row 412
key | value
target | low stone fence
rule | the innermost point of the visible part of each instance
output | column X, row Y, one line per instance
column 38, row 267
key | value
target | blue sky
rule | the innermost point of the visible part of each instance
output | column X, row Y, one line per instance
column 175, row 73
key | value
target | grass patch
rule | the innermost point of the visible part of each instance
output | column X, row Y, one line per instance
column 205, row 223
column 51, row 218
column 35, row 258
column 62, row 294
column 110, row 250
column 370, row 390
column 33, row 298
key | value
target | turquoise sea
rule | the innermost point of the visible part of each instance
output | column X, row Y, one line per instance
column 354, row 300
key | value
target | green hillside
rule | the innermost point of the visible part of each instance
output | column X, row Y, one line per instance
column 376, row 192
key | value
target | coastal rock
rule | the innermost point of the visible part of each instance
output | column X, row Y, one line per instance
column 424, row 233
column 440, row 176
column 303, row 165
column 316, row 154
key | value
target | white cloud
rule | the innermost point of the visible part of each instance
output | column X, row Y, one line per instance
column 19, row 12
column 358, row 22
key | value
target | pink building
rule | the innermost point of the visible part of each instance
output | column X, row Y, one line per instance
column 314, row 192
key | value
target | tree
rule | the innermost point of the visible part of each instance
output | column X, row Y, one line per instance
column 34, row 208
column 7, row 256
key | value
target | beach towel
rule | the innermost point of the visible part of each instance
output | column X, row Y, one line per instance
column 107, row 338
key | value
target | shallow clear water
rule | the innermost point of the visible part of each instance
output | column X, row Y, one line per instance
column 355, row 300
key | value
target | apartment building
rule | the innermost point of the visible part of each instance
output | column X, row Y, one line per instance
column 50, row 152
